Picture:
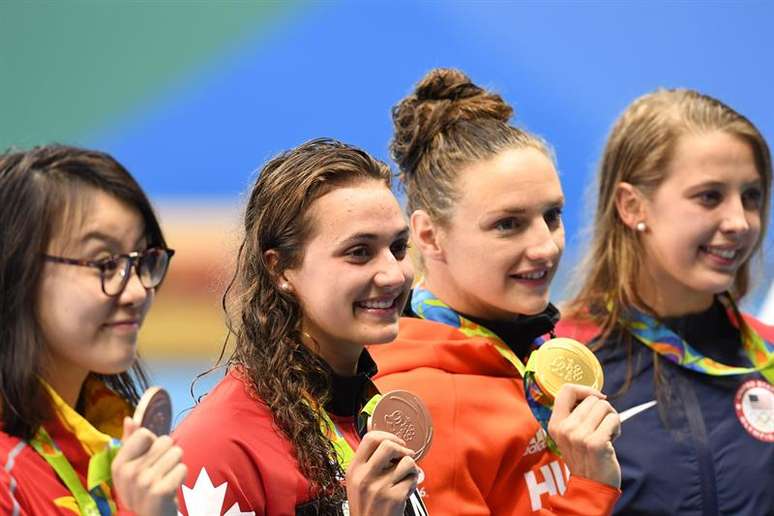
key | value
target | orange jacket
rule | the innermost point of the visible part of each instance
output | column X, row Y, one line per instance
column 488, row 454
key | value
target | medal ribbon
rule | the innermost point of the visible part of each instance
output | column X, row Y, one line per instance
column 93, row 502
column 344, row 451
column 427, row 306
column 671, row 346
column 94, row 430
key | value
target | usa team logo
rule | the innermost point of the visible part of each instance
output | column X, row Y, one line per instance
column 754, row 405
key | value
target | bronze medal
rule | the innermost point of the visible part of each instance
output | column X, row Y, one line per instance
column 405, row 415
column 561, row 360
column 154, row 411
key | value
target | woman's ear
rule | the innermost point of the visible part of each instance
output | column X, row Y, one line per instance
column 426, row 236
column 631, row 206
column 271, row 257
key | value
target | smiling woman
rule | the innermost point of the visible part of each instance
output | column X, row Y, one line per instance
column 683, row 199
column 322, row 271
column 346, row 301
column 84, row 331
column 486, row 203
column 502, row 244
column 81, row 256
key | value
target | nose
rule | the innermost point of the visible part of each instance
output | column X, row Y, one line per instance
column 134, row 294
column 391, row 271
column 545, row 245
column 735, row 217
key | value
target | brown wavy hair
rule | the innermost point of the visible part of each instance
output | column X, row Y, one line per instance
column 445, row 124
column 638, row 151
column 41, row 191
column 291, row 380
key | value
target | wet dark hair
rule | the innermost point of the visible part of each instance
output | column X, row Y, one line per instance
column 39, row 191
column 291, row 380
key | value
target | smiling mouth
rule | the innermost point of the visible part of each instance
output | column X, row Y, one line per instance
column 725, row 254
column 531, row 276
column 378, row 304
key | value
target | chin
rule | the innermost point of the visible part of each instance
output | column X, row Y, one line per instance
column 715, row 284
column 385, row 336
column 121, row 364
column 715, row 289
column 531, row 308
column 113, row 369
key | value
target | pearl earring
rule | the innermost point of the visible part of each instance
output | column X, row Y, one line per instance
column 641, row 226
column 286, row 286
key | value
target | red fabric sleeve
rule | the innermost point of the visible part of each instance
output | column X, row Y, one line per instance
column 582, row 331
column 220, row 478
column 7, row 500
column 764, row 330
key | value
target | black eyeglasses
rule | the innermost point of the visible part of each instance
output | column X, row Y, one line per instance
column 151, row 266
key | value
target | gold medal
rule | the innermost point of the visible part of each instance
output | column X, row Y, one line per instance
column 559, row 361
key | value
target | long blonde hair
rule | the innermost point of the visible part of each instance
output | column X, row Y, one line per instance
column 638, row 150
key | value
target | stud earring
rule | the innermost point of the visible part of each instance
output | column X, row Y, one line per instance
column 285, row 286
column 314, row 341
column 641, row 226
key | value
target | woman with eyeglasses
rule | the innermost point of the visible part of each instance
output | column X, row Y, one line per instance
column 81, row 254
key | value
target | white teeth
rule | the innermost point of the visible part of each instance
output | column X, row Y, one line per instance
column 376, row 304
column 533, row 275
column 728, row 254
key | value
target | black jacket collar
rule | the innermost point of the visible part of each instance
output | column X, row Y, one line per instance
column 348, row 393
column 518, row 333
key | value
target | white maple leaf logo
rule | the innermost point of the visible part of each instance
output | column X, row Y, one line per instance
column 204, row 499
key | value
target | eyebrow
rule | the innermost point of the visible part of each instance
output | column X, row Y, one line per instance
column 517, row 210
column 359, row 237
column 721, row 184
column 508, row 211
column 105, row 238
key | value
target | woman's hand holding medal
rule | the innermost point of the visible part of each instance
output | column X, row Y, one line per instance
column 564, row 375
column 147, row 470
column 383, row 472
column 381, row 476
column 584, row 425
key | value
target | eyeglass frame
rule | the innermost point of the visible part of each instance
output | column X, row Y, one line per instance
column 133, row 263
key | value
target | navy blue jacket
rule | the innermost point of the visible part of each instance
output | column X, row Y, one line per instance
column 689, row 454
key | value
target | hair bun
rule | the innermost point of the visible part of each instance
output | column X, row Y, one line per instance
column 442, row 98
column 446, row 84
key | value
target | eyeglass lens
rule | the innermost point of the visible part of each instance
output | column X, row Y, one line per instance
column 151, row 268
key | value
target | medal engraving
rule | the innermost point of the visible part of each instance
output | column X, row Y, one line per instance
column 400, row 424
column 559, row 361
column 403, row 414
column 567, row 369
column 154, row 411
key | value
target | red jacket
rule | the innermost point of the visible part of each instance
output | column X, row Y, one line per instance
column 488, row 454
column 29, row 485
column 238, row 460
